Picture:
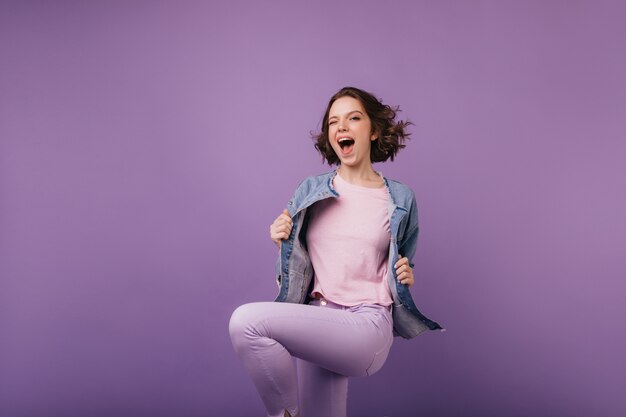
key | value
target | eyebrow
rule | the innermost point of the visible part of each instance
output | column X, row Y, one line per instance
column 348, row 114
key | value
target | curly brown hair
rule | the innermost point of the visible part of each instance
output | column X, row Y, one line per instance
column 391, row 133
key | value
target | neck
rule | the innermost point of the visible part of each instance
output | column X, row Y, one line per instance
column 362, row 175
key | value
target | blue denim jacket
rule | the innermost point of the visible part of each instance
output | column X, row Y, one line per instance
column 294, row 269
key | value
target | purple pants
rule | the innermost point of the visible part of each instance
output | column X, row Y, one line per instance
column 331, row 343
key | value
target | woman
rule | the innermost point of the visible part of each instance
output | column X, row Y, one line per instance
column 346, row 239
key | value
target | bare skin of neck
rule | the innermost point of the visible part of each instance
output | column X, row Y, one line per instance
column 363, row 176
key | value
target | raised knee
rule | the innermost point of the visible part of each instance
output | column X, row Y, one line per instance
column 240, row 324
column 237, row 320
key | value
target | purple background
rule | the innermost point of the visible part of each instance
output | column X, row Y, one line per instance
column 145, row 147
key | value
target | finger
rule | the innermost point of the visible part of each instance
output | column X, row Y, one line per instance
column 279, row 236
column 285, row 226
column 282, row 229
column 407, row 281
column 284, row 215
column 405, row 275
column 278, row 239
column 282, row 221
column 402, row 261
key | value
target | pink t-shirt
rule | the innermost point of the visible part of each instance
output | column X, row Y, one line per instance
column 348, row 240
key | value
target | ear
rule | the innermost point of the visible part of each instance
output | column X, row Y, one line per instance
column 374, row 136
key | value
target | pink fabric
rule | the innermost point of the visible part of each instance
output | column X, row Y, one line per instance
column 348, row 240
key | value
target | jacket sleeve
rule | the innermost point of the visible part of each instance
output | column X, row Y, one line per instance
column 290, row 207
column 408, row 244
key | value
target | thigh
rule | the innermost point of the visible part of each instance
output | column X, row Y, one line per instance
column 342, row 341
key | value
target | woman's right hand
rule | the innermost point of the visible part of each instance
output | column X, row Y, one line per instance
column 281, row 228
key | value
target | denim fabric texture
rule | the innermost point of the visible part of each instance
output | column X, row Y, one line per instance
column 294, row 270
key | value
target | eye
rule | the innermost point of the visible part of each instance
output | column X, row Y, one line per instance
column 355, row 118
column 332, row 122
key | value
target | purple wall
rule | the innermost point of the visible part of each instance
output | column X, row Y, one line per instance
column 145, row 147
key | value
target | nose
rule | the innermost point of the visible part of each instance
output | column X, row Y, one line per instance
column 342, row 127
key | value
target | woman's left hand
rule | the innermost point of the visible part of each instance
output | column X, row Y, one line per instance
column 404, row 272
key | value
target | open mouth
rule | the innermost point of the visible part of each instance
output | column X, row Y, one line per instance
column 346, row 144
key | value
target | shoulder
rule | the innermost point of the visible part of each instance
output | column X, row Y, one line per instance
column 402, row 195
column 314, row 181
column 308, row 187
column 399, row 190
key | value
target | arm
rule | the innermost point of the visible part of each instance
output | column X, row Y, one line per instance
column 407, row 247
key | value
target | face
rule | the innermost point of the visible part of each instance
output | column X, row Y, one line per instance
column 350, row 132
